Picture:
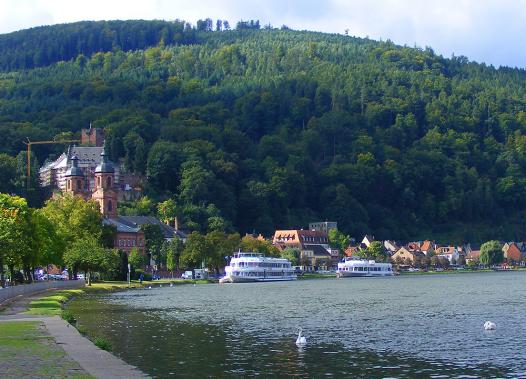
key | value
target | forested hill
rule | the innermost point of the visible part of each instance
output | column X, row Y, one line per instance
column 256, row 129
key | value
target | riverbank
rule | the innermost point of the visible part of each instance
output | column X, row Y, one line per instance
column 27, row 350
column 459, row 271
column 36, row 342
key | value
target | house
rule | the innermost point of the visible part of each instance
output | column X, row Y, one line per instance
column 324, row 226
column 449, row 252
column 367, row 240
column 427, row 247
column 317, row 256
column 352, row 251
column 169, row 232
column 404, row 254
column 313, row 245
column 391, row 247
column 473, row 256
column 512, row 252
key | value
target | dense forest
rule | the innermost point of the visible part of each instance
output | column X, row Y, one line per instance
column 254, row 129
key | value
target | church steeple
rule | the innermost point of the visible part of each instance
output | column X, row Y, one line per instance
column 104, row 193
column 75, row 178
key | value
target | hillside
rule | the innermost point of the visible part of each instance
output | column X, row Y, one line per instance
column 258, row 129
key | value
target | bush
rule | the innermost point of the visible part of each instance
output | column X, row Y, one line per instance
column 137, row 274
column 102, row 343
column 68, row 316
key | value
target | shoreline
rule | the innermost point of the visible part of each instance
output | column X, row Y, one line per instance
column 45, row 309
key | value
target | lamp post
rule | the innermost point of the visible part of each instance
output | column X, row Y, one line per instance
column 129, row 275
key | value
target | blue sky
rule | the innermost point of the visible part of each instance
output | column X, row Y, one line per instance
column 490, row 31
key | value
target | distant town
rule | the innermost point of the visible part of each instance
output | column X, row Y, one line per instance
column 87, row 172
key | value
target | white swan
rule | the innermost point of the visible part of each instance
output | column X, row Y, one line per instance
column 488, row 325
column 171, row 284
column 300, row 341
column 149, row 287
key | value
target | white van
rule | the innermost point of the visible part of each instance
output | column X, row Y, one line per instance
column 187, row 275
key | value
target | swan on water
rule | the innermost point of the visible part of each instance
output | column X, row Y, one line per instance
column 301, row 340
column 488, row 325
column 149, row 287
column 171, row 284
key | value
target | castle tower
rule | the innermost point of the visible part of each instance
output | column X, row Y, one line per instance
column 104, row 193
column 75, row 178
column 92, row 136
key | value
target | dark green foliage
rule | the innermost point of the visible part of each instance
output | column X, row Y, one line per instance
column 45, row 45
column 102, row 343
column 260, row 129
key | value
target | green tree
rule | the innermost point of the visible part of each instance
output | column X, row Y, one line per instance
column 137, row 259
column 153, row 238
column 491, row 253
column 222, row 245
column 73, row 218
column 377, row 252
column 86, row 254
column 338, row 240
column 14, row 231
column 249, row 243
column 196, row 250
column 293, row 255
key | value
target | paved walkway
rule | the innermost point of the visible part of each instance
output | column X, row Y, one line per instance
column 96, row 362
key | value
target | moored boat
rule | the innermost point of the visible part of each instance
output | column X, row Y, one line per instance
column 254, row 267
column 363, row 268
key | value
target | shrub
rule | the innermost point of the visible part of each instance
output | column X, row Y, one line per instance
column 137, row 274
column 102, row 343
column 68, row 316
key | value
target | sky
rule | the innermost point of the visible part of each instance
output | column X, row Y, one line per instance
column 490, row 31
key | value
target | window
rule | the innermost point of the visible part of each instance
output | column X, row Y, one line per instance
column 110, row 206
column 79, row 184
column 108, row 182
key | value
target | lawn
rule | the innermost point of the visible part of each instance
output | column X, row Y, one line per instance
column 27, row 351
column 51, row 305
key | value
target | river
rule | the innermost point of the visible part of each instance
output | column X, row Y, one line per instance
column 399, row 327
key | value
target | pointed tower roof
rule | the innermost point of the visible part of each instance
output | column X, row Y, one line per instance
column 106, row 166
column 74, row 169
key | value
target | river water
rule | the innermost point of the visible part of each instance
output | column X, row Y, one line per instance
column 399, row 327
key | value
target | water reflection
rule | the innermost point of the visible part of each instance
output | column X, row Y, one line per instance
column 369, row 329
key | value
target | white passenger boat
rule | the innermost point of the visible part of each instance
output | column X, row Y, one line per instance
column 363, row 267
column 254, row 267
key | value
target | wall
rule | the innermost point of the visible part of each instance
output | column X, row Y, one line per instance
column 26, row 289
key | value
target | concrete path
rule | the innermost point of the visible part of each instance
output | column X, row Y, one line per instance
column 96, row 362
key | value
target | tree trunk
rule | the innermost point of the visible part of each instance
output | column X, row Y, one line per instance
column 88, row 274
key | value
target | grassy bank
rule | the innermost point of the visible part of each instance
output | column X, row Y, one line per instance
column 27, row 351
column 306, row 276
column 456, row 272
column 53, row 303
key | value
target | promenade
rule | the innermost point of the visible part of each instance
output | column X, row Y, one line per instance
column 49, row 347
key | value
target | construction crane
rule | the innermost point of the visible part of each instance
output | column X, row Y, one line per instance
column 30, row 143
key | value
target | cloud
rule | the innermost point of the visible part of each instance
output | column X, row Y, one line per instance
column 489, row 30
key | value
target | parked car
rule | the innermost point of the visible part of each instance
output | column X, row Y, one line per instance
column 187, row 275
